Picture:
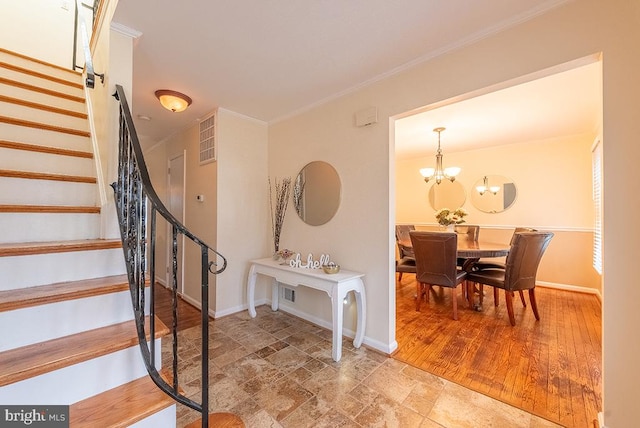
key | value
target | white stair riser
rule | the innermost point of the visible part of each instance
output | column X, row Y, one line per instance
column 77, row 382
column 24, row 134
column 38, row 97
column 41, row 83
column 21, row 191
column 165, row 418
column 42, row 227
column 37, row 115
column 38, row 67
column 25, row 160
column 41, row 269
column 45, row 322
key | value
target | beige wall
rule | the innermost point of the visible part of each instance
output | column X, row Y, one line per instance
column 243, row 223
column 553, row 180
column 20, row 29
column 360, row 237
column 111, row 51
column 233, row 219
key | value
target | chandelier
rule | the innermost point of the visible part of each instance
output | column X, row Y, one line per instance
column 485, row 186
column 438, row 173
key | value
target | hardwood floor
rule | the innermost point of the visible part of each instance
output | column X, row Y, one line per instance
column 188, row 315
column 550, row 367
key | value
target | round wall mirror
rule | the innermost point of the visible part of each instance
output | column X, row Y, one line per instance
column 493, row 193
column 316, row 193
column 447, row 194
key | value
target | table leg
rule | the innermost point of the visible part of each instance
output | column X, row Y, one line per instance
column 337, row 316
column 275, row 295
column 362, row 314
column 251, row 285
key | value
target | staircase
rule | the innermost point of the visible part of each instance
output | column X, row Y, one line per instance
column 68, row 335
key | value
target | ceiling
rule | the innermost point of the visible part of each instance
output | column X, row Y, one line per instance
column 561, row 104
column 271, row 59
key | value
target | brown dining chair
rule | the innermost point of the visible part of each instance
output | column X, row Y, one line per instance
column 492, row 264
column 406, row 262
column 436, row 264
column 470, row 232
column 527, row 249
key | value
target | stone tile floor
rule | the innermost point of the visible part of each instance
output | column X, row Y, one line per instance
column 276, row 370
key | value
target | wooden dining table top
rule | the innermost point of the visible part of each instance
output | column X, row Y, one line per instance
column 468, row 249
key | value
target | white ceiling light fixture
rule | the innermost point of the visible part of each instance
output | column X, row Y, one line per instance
column 173, row 100
column 438, row 173
column 485, row 186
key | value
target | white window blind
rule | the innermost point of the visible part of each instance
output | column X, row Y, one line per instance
column 208, row 139
column 596, row 156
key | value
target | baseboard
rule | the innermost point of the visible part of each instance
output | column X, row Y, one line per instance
column 230, row 311
column 568, row 287
column 370, row 343
column 601, row 420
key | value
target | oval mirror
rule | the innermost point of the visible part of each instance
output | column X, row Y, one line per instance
column 493, row 193
column 447, row 194
column 316, row 193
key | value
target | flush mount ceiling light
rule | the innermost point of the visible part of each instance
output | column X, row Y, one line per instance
column 438, row 173
column 485, row 186
column 172, row 100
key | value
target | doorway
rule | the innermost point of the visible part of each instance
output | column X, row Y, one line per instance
column 517, row 365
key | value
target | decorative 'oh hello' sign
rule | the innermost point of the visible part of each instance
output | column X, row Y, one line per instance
column 311, row 264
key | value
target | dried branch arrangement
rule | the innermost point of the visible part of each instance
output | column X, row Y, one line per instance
column 278, row 201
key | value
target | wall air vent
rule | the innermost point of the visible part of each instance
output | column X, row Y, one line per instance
column 288, row 294
column 208, row 139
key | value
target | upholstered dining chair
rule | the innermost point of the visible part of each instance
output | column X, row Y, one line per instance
column 436, row 264
column 519, row 274
column 492, row 264
column 406, row 262
column 470, row 232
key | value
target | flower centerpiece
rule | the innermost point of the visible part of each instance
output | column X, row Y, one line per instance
column 447, row 217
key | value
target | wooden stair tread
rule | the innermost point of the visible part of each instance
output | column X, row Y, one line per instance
column 39, row 75
column 33, row 296
column 33, row 360
column 28, row 248
column 74, row 73
column 43, row 126
column 46, row 176
column 59, row 209
column 44, row 149
column 121, row 406
column 219, row 420
column 33, row 88
column 44, row 107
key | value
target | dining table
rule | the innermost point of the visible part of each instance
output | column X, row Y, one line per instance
column 472, row 251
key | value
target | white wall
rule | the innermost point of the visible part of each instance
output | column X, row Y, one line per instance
column 20, row 29
column 233, row 218
column 360, row 237
column 243, row 208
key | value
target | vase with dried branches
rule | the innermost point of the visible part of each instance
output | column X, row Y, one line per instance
column 279, row 192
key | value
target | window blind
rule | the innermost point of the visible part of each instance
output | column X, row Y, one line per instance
column 596, row 157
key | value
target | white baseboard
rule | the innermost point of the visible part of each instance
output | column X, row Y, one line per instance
column 374, row 344
column 569, row 287
column 601, row 420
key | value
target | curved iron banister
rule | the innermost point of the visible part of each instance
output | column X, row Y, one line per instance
column 135, row 200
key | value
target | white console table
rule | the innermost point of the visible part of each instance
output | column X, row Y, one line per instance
column 335, row 285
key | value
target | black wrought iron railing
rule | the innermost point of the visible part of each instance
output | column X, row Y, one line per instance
column 138, row 207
